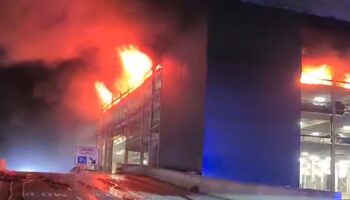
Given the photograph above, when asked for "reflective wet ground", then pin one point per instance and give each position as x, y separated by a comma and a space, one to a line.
37, 186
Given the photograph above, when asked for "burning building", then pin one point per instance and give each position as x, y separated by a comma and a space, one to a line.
325, 104
157, 118
261, 99
277, 98
130, 125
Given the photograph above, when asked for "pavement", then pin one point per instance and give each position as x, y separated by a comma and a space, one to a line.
89, 186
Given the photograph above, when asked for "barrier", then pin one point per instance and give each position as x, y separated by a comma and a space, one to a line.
232, 190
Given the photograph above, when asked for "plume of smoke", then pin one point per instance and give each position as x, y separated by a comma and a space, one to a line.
327, 43
89, 30
55, 32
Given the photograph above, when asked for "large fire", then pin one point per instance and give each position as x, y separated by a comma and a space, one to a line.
323, 75
346, 83
136, 65
316, 75
104, 94
137, 68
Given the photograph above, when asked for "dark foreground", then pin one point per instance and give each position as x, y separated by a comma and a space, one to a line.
36, 186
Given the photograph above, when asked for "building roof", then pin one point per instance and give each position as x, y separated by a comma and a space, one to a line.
325, 8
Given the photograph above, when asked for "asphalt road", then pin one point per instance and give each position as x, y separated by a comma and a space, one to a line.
38, 186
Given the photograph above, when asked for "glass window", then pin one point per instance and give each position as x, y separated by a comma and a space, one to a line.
118, 153
133, 144
133, 157
325, 114
157, 81
342, 147
315, 137
156, 116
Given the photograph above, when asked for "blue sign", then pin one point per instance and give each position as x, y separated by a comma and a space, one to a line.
82, 159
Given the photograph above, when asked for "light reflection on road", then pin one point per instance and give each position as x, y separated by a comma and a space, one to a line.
85, 186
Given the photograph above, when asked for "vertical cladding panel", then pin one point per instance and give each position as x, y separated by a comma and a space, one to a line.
182, 100
252, 94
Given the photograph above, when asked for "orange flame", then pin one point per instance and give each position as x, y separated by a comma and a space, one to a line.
137, 65
346, 83
104, 94
322, 75
316, 75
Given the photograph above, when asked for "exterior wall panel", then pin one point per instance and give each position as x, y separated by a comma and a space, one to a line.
182, 101
252, 109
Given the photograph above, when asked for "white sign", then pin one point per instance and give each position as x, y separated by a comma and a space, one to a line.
86, 155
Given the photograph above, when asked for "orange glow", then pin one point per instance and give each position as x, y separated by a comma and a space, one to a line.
316, 75
158, 67
346, 83
137, 66
103, 93
323, 75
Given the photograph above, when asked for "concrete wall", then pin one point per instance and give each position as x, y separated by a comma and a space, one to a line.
252, 109
233, 190
182, 98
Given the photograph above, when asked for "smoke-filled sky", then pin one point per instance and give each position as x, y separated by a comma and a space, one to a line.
327, 42
51, 52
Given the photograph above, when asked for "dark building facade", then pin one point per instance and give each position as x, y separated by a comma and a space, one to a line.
252, 94
245, 95
277, 98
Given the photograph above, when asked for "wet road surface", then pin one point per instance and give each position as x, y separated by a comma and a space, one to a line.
38, 186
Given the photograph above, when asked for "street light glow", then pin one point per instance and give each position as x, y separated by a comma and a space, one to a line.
315, 134
319, 100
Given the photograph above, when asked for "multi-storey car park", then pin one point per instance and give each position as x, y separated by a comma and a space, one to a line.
253, 95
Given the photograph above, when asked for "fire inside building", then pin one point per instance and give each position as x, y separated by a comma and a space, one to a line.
149, 123
131, 131
258, 95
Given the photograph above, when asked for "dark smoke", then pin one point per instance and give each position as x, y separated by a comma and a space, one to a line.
38, 129
326, 41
